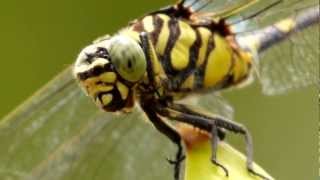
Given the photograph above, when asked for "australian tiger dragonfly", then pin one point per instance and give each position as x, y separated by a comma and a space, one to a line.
193, 48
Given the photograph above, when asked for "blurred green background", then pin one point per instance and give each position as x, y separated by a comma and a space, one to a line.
41, 38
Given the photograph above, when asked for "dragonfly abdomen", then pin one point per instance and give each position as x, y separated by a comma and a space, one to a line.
194, 57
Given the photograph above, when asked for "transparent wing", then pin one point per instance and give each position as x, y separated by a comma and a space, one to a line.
290, 65
212, 103
216, 104
59, 134
214, 6
294, 63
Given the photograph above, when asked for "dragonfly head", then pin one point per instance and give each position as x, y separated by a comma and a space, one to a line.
108, 70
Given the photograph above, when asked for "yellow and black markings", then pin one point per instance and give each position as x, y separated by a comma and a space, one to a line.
169, 54
194, 57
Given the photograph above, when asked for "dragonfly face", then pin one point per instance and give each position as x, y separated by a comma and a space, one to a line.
108, 70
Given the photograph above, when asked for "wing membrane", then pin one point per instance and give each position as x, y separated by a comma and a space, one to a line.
292, 64
210, 103
217, 6
60, 134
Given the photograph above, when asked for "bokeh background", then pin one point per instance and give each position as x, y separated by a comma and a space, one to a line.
40, 38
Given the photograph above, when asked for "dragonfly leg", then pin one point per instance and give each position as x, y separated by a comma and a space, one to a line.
214, 147
150, 56
170, 132
147, 106
184, 114
183, 108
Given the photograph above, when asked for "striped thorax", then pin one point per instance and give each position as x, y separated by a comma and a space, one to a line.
187, 59
194, 57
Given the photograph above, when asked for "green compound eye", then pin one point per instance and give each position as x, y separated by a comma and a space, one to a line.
128, 58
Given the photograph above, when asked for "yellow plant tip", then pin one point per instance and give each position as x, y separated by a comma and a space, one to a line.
198, 165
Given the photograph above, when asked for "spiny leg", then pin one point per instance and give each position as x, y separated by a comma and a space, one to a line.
229, 125
170, 132
207, 123
202, 124
223, 123
214, 145
185, 109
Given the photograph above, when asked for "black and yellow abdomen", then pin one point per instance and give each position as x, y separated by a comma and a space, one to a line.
193, 57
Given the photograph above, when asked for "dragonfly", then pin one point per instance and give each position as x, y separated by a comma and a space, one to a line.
69, 143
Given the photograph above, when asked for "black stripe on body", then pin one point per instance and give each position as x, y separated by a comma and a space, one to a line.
200, 72
228, 80
193, 57
174, 34
158, 24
